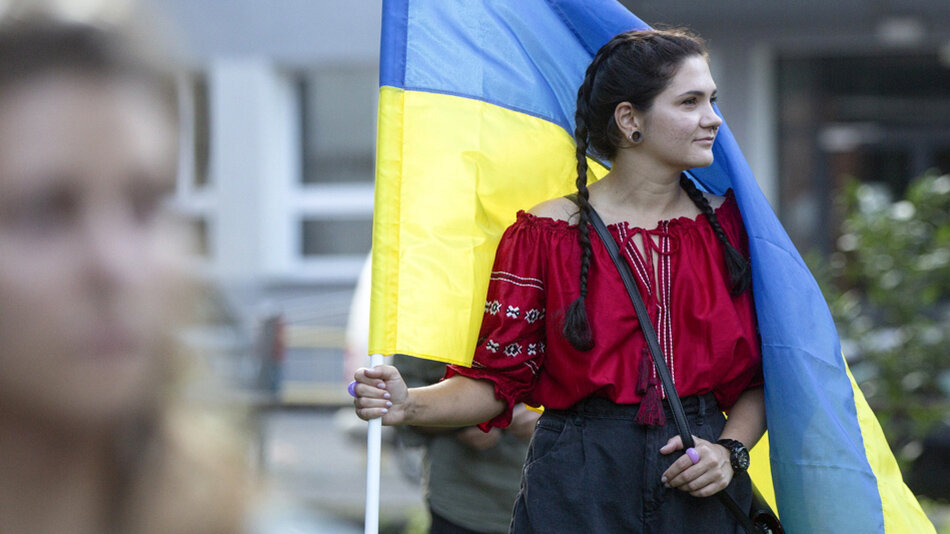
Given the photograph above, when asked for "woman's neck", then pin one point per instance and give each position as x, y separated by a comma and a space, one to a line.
53, 480
640, 194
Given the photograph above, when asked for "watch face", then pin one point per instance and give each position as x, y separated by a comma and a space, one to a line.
741, 459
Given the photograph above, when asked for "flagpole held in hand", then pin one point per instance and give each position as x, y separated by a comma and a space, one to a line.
373, 455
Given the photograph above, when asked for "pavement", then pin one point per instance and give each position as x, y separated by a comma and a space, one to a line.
315, 458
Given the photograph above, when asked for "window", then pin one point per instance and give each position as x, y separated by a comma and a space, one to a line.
338, 109
201, 130
193, 197
335, 236
877, 118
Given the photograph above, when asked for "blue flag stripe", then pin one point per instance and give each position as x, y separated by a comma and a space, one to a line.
524, 56
392, 43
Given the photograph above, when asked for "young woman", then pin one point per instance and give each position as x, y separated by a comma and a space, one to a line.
559, 330
93, 435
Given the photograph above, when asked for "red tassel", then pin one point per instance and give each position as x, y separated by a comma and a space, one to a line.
651, 409
645, 377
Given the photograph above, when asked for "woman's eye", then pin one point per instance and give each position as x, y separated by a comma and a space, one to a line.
714, 99
690, 101
45, 212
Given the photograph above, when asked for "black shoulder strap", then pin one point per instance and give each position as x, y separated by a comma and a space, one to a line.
679, 414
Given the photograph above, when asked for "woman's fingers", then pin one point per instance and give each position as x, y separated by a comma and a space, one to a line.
379, 374
706, 484
372, 391
674, 444
711, 474
676, 472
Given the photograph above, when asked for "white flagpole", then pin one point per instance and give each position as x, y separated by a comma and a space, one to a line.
374, 441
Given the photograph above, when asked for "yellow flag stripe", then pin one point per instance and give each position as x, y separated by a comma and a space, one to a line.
438, 220
902, 512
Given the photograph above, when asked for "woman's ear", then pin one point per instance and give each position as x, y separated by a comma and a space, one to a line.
627, 119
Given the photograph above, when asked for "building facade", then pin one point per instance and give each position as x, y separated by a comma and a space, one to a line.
279, 109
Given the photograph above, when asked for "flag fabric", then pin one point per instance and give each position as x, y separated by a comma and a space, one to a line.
476, 115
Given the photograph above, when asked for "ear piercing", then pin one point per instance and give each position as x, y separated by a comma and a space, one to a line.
636, 137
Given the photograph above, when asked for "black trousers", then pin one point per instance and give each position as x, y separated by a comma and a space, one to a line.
592, 469
442, 525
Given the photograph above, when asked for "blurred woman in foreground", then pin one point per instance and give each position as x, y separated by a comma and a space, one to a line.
93, 435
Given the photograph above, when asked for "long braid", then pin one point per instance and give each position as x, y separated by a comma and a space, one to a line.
740, 274
576, 325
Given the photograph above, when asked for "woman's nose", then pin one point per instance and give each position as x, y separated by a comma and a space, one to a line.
711, 119
113, 250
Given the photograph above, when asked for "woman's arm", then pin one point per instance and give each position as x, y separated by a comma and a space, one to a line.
456, 401
746, 421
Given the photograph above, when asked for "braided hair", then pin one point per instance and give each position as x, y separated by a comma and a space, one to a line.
634, 67
738, 268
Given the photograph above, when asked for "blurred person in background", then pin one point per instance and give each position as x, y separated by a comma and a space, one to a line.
471, 477
94, 434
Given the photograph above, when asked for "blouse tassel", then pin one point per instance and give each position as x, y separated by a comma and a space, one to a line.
651, 405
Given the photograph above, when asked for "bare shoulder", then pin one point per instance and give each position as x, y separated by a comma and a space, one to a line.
559, 208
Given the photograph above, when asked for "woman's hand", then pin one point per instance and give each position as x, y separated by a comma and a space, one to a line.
380, 392
710, 475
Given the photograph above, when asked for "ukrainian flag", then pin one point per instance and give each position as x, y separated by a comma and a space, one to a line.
476, 114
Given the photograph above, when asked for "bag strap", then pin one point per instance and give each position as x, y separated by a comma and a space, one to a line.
679, 414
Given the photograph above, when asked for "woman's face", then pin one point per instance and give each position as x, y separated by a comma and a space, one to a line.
680, 127
86, 251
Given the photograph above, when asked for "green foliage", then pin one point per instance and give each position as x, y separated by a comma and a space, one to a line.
887, 285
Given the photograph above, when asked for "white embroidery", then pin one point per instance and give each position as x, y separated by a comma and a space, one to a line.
493, 307
491, 346
532, 365
514, 279
513, 350
533, 315
513, 312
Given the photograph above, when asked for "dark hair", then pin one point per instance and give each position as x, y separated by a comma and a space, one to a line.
634, 67
39, 44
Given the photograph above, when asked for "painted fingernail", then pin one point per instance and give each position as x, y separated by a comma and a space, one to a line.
663, 480
386, 395
381, 385
385, 410
388, 404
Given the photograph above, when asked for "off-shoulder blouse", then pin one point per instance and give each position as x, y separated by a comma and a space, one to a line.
708, 336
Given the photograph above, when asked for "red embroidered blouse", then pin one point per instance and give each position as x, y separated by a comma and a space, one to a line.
709, 337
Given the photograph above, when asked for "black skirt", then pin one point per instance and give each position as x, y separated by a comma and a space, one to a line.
592, 469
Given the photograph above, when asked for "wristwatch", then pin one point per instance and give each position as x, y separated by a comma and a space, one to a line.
738, 454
